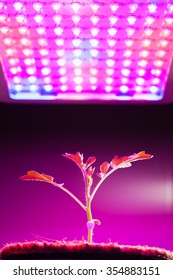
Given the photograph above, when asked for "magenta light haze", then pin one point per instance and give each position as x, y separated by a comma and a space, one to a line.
86, 50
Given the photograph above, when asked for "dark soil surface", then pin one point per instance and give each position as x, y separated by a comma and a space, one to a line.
37, 250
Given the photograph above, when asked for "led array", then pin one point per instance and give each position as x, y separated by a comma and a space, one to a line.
86, 49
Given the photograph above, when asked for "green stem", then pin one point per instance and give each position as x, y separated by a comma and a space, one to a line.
69, 193
89, 200
88, 209
89, 216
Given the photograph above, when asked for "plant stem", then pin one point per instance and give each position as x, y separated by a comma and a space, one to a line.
100, 182
89, 216
89, 199
69, 193
88, 209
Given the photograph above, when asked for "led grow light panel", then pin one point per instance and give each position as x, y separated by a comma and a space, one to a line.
86, 50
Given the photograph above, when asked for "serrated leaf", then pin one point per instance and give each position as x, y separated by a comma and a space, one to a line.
139, 156
33, 175
77, 158
117, 162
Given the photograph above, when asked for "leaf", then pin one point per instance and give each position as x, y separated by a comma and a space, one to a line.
89, 174
104, 167
90, 161
117, 161
97, 222
139, 156
77, 158
126, 160
90, 171
33, 175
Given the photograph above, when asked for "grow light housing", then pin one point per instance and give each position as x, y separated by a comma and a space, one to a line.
86, 50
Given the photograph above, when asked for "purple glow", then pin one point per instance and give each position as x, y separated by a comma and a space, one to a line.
83, 50
39, 211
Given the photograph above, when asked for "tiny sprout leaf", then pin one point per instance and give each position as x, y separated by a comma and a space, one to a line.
33, 175
90, 171
90, 161
89, 181
104, 167
96, 221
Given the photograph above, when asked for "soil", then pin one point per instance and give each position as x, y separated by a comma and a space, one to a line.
44, 250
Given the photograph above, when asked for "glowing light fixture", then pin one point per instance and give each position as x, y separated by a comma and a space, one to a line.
86, 50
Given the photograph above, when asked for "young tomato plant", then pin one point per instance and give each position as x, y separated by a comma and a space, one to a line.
87, 169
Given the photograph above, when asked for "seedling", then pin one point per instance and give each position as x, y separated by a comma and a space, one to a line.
87, 169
